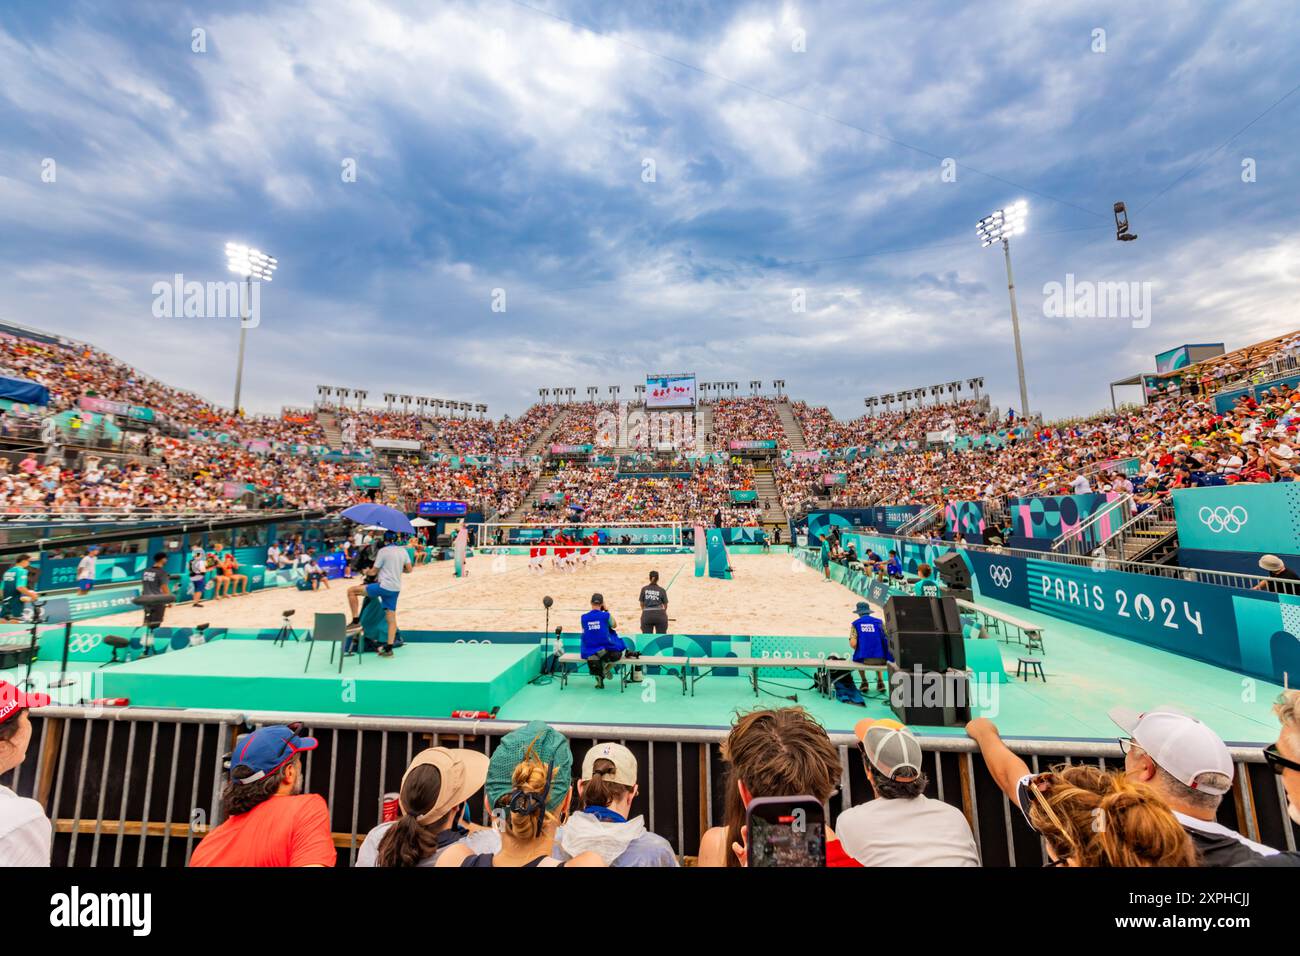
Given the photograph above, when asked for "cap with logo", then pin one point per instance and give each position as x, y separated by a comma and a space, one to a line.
463, 773
12, 700
624, 771
890, 747
1179, 744
267, 749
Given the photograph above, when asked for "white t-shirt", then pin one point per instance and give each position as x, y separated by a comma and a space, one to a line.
25, 831
915, 832
86, 568
390, 561
1081, 485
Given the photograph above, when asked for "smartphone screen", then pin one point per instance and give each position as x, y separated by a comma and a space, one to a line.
786, 831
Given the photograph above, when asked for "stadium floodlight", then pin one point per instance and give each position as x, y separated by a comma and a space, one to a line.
755, 386
593, 391
613, 392
779, 385
542, 393
1000, 226
251, 264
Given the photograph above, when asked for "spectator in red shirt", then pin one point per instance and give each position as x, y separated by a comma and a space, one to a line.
268, 820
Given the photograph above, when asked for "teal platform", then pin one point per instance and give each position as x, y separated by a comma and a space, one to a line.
430, 680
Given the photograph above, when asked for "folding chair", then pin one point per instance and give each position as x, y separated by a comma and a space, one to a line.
332, 628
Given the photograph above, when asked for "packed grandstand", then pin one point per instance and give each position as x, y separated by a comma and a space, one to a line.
190, 455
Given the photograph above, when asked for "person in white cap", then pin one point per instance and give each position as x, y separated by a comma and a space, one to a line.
1187, 764
1278, 572
604, 825
901, 826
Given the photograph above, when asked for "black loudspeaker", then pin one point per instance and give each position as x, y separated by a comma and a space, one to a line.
925, 615
952, 570
921, 698
928, 651
925, 633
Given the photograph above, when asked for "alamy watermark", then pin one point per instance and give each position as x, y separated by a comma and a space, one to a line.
1075, 299
656, 430
179, 299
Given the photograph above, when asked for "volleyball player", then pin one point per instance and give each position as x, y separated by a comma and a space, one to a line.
654, 607
535, 556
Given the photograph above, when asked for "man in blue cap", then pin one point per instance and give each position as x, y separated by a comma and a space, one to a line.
269, 821
870, 644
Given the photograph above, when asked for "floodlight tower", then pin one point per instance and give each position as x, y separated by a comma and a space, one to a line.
1000, 226
251, 264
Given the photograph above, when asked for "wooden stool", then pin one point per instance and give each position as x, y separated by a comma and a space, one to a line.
1030, 665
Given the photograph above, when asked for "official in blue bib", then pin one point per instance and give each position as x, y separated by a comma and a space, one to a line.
870, 644
601, 645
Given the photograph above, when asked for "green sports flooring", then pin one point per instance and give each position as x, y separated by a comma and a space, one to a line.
1087, 674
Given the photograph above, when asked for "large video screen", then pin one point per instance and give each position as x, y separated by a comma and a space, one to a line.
676, 390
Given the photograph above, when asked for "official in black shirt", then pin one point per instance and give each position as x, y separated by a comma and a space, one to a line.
153, 583
654, 607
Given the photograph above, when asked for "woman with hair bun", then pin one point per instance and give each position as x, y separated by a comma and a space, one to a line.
528, 788
1092, 817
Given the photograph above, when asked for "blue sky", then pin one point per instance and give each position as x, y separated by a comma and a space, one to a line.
502, 145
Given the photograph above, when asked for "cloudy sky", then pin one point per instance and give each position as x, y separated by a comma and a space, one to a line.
651, 187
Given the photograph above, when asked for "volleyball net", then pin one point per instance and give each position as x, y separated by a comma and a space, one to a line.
610, 536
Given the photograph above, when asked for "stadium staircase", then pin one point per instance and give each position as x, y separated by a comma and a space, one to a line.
704, 425
329, 424
1150, 537
794, 436
392, 491
538, 488
436, 441
770, 496
538, 444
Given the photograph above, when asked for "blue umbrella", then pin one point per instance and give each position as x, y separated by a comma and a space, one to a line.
388, 518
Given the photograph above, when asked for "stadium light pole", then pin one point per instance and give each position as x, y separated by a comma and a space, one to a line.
1000, 226
251, 264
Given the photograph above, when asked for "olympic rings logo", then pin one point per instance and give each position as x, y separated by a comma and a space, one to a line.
1001, 575
83, 643
1222, 519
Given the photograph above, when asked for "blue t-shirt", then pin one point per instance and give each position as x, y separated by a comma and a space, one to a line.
596, 635
893, 567
872, 642
926, 587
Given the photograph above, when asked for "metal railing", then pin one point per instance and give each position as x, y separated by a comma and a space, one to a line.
140, 787
1229, 579
919, 520
1141, 524
1085, 538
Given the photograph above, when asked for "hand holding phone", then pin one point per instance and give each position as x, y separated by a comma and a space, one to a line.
783, 831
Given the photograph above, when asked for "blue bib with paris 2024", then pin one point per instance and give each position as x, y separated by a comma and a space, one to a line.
595, 633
